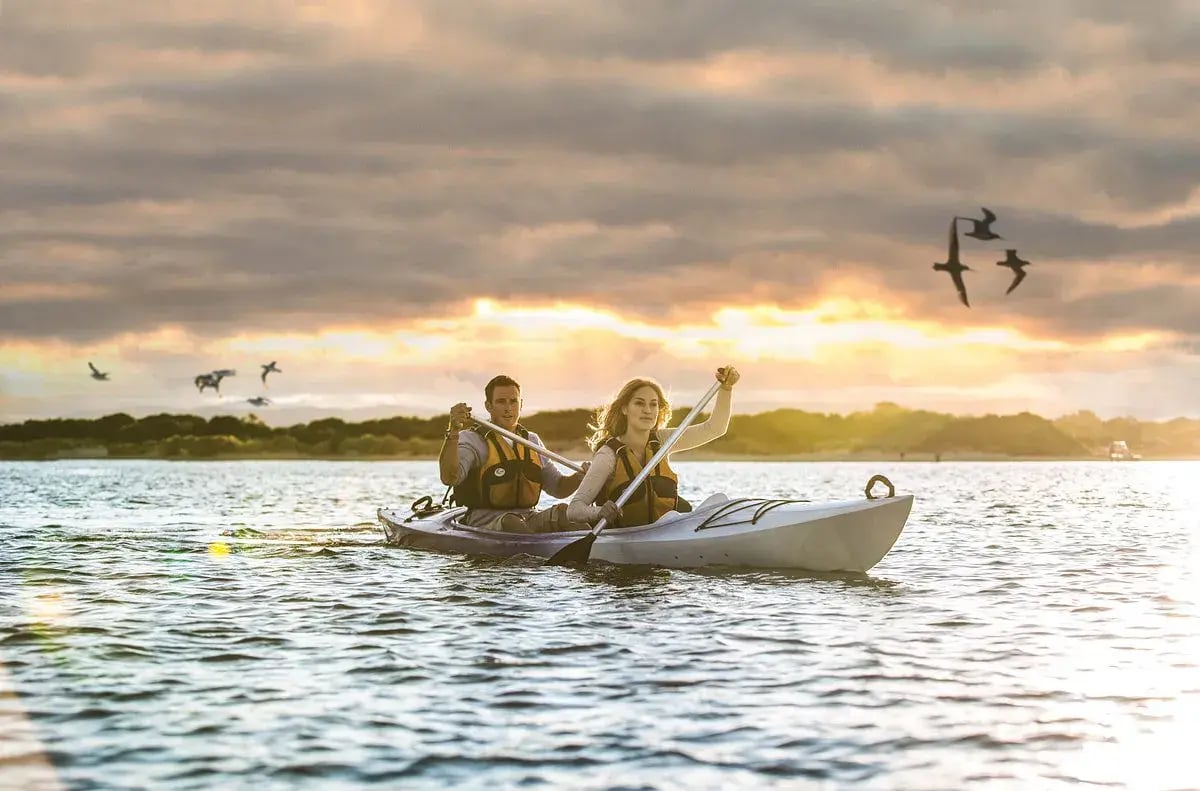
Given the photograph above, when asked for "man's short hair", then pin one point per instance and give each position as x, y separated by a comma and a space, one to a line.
499, 381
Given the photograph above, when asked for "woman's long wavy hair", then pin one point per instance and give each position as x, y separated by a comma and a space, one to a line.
611, 422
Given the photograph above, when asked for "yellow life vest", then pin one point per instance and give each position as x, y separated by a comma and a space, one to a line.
655, 496
508, 477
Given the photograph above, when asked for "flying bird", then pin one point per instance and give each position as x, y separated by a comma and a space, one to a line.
97, 374
953, 265
268, 369
982, 229
259, 401
1017, 265
212, 380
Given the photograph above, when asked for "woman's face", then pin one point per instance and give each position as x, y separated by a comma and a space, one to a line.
642, 409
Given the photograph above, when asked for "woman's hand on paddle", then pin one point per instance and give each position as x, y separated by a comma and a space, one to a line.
728, 376
460, 417
610, 512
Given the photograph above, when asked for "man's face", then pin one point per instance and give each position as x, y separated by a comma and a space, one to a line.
505, 406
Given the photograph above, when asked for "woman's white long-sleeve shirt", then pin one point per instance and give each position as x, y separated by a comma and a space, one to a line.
604, 462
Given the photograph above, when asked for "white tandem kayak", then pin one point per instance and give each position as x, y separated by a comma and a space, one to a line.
844, 535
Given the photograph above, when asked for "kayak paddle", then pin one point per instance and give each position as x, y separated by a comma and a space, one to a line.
543, 452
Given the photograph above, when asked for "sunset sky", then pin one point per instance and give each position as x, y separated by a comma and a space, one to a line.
398, 200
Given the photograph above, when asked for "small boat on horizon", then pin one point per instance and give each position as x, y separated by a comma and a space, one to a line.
1118, 450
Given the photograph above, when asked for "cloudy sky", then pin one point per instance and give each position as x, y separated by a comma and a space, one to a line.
397, 200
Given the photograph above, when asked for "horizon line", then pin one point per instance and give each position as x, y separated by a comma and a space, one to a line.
256, 414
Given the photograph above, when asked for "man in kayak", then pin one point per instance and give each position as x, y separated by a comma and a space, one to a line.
501, 481
629, 431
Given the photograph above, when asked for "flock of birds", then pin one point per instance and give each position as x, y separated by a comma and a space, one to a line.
981, 230
212, 380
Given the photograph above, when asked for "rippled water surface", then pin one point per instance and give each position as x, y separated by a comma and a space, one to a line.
242, 625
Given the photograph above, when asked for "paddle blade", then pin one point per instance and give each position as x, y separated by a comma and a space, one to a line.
574, 554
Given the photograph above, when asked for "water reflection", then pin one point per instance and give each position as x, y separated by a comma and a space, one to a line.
630, 579
838, 579
1038, 641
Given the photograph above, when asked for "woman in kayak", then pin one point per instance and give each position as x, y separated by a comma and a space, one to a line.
628, 432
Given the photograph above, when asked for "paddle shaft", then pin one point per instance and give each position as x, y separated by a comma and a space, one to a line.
549, 454
644, 473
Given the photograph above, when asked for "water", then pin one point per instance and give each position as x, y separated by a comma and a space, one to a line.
241, 625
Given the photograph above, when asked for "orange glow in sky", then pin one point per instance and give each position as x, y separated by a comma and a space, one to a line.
850, 342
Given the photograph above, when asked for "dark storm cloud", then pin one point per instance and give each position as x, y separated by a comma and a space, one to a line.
324, 188
73, 39
407, 103
908, 35
1164, 307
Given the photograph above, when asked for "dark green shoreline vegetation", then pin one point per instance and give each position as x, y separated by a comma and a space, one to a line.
887, 431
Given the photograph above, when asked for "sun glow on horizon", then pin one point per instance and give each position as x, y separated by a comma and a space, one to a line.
760, 332
771, 332
857, 348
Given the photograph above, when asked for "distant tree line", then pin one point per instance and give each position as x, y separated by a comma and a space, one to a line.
887, 429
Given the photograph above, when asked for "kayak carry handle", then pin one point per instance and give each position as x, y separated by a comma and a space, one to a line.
879, 479
425, 506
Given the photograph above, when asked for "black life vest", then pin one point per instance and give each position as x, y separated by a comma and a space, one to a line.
655, 496
508, 477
